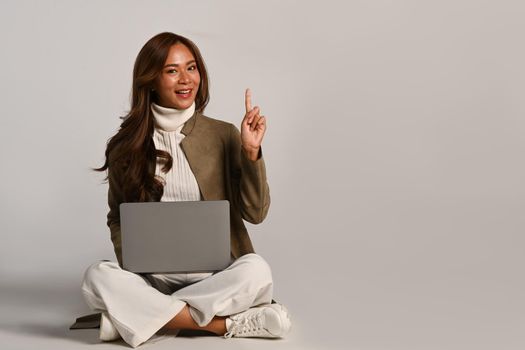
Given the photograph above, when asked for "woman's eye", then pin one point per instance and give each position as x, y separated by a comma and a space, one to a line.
192, 68
172, 71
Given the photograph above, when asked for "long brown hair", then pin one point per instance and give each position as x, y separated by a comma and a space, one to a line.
131, 153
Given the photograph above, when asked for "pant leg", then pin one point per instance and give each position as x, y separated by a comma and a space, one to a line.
135, 308
168, 283
245, 283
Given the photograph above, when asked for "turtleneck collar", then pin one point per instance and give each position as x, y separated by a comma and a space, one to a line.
170, 119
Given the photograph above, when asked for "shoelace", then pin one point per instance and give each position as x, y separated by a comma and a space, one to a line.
251, 324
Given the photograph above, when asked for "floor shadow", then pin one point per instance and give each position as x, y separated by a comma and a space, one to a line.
43, 309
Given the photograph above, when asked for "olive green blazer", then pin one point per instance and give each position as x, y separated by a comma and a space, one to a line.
223, 172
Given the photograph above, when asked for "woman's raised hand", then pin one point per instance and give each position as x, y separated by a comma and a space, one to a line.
253, 127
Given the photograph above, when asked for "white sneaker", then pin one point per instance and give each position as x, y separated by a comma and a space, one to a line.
268, 321
108, 332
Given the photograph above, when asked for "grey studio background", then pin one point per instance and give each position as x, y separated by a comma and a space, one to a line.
394, 153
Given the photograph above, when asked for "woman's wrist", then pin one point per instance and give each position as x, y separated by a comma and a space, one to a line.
252, 153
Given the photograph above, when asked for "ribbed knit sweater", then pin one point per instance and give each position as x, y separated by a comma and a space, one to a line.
180, 182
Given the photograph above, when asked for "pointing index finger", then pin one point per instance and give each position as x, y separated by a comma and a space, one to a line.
248, 100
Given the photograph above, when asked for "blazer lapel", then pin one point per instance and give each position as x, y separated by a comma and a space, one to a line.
198, 147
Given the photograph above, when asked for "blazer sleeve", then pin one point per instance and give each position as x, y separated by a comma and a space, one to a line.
250, 185
113, 217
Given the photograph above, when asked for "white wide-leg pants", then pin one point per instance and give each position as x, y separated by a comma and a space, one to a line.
139, 305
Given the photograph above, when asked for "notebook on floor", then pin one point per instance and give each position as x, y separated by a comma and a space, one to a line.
174, 237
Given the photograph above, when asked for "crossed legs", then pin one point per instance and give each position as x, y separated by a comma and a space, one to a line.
138, 310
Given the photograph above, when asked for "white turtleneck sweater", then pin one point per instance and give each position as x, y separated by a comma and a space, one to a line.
180, 183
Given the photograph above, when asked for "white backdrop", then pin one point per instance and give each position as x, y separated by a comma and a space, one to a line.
394, 154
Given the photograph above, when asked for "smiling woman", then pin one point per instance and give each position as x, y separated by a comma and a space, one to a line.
179, 82
167, 150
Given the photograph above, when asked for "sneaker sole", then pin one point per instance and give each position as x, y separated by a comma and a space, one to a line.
284, 318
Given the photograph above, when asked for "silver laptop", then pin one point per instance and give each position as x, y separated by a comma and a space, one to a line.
171, 237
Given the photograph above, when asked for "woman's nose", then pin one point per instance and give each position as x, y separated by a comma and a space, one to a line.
184, 78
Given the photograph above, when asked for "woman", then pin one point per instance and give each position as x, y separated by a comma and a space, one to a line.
167, 150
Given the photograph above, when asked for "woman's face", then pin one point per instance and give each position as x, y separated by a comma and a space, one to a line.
178, 83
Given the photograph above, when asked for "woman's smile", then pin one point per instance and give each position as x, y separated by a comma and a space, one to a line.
184, 93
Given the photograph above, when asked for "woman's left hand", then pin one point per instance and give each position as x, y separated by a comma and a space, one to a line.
253, 127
